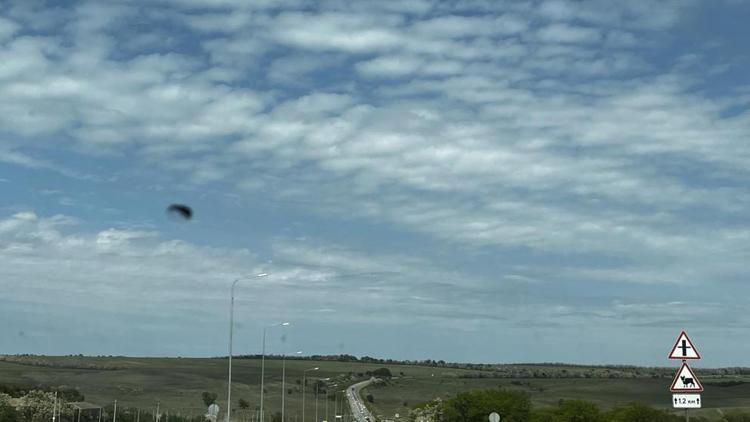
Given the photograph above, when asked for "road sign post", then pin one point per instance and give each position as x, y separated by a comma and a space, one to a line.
685, 380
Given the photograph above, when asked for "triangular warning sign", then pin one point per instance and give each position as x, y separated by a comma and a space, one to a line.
685, 381
683, 348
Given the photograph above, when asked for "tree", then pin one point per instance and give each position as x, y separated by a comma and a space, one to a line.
382, 372
208, 398
636, 412
8, 413
512, 406
37, 405
569, 411
370, 398
244, 404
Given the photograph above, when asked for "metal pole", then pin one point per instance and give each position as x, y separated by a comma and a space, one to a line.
54, 407
326, 399
100, 414
316, 402
156, 415
304, 380
687, 416
231, 329
283, 385
114, 416
138, 417
79, 414
262, 372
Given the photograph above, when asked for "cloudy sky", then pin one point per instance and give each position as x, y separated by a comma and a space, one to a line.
483, 181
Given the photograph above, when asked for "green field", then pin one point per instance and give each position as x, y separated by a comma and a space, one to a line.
607, 393
177, 383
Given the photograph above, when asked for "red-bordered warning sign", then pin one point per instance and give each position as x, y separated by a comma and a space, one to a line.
685, 381
683, 348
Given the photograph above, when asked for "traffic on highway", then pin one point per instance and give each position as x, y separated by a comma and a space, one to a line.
359, 410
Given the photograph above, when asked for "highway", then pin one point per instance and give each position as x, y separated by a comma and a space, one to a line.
359, 410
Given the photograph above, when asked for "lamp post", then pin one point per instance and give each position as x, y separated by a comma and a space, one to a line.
283, 382
334, 398
231, 330
304, 381
336, 414
263, 363
316, 396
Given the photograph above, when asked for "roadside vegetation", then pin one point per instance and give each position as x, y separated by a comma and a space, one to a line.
177, 385
516, 406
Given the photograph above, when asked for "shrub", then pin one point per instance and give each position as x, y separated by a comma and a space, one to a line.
512, 406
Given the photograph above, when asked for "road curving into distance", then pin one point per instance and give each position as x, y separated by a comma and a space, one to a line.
358, 408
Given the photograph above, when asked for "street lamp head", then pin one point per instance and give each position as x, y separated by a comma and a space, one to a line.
261, 275
298, 352
286, 324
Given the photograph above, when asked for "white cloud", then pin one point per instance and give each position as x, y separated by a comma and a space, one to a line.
335, 31
564, 33
389, 66
110, 270
481, 136
464, 26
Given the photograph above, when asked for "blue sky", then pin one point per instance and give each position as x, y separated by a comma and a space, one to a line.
468, 181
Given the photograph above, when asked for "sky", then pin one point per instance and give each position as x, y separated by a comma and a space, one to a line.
473, 181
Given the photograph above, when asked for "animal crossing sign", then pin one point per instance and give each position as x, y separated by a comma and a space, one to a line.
685, 381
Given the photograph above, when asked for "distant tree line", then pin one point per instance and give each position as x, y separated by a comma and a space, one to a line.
79, 362
521, 370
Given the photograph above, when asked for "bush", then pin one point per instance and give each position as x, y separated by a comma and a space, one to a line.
636, 412
208, 398
736, 417
7, 411
569, 411
512, 406
382, 372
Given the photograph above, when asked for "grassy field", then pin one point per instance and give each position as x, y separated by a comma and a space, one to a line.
177, 383
400, 394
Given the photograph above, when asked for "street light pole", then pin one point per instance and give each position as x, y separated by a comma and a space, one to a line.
316, 396
231, 330
304, 383
263, 364
283, 382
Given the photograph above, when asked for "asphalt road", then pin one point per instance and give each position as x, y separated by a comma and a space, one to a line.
359, 410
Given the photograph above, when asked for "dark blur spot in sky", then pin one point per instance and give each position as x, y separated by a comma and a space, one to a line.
180, 212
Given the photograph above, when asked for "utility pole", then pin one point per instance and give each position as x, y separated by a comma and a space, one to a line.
54, 407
